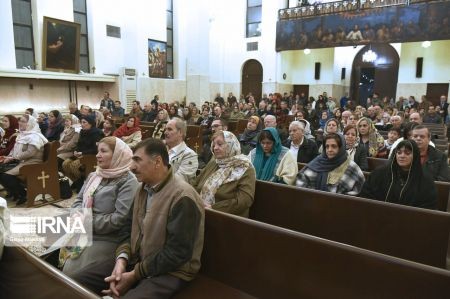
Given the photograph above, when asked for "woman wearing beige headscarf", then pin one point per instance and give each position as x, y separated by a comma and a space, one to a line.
227, 183
109, 192
69, 138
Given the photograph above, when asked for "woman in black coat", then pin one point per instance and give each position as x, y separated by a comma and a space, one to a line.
86, 145
402, 181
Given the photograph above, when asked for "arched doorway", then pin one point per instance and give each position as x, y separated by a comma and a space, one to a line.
379, 75
252, 76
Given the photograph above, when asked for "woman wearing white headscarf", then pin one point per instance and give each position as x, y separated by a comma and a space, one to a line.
28, 149
227, 183
109, 192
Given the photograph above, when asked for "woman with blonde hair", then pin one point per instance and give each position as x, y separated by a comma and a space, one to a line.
369, 138
161, 122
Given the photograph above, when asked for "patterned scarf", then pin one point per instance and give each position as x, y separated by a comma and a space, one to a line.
231, 168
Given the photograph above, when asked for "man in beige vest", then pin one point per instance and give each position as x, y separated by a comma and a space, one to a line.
163, 253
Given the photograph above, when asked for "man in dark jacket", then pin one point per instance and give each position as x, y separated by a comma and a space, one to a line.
303, 149
434, 162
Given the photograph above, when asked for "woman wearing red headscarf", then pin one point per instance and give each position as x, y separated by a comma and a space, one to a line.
129, 132
11, 128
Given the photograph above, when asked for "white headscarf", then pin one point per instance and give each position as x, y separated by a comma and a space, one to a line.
32, 134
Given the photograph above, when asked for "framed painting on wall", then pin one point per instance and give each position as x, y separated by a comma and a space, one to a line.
61, 46
157, 63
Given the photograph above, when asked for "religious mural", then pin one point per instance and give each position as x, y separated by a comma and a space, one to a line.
157, 66
410, 23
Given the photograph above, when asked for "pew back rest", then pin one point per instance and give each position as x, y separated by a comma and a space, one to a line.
375, 163
443, 191
414, 234
89, 163
270, 262
23, 275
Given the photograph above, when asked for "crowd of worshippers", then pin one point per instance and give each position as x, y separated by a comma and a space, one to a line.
148, 196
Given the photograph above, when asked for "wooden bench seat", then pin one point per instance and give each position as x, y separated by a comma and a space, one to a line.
42, 178
414, 234
265, 261
25, 276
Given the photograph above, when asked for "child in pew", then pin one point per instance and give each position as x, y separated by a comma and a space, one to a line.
393, 135
333, 170
402, 181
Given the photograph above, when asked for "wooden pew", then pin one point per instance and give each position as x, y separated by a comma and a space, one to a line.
247, 259
375, 163
23, 275
232, 125
147, 131
194, 138
414, 234
89, 163
42, 178
241, 126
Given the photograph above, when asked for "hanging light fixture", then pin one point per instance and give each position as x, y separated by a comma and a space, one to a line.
369, 55
307, 51
426, 44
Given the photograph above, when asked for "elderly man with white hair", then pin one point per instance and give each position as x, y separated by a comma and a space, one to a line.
184, 161
344, 118
270, 121
302, 149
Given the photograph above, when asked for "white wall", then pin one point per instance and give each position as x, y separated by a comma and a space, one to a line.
7, 51
62, 9
436, 62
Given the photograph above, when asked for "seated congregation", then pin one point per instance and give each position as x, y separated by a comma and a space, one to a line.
148, 195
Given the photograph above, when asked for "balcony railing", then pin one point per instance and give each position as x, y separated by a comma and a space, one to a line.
339, 7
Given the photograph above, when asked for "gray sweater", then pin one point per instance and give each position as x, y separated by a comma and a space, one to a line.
113, 206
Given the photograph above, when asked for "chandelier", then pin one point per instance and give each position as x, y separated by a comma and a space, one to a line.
369, 55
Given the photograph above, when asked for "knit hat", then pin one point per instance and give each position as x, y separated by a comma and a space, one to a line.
90, 119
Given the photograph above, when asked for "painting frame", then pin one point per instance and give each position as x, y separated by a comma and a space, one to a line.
157, 58
61, 46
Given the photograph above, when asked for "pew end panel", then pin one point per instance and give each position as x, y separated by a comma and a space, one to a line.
42, 178
410, 233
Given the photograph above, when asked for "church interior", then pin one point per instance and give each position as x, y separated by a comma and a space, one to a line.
225, 149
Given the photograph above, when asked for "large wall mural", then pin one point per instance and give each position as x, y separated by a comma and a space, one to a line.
415, 22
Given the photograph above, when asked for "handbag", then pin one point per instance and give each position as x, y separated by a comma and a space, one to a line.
65, 191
